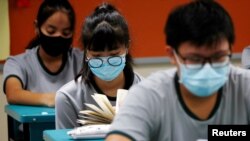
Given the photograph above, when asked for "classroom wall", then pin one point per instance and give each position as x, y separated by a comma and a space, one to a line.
3, 116
4, 30
146, 19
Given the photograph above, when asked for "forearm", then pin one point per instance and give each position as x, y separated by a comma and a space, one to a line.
17, 95
116, 137
30, 98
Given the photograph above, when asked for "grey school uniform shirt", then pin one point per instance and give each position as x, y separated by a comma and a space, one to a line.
34, 76
154, 110
71, 97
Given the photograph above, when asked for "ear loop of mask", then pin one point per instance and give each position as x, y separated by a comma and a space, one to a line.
177, 59
179, 63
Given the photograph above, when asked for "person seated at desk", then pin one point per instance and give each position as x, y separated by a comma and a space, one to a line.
107, 65
50, 61
245, 58
204, 88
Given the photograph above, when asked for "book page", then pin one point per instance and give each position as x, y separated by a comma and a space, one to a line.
89, 122
121, 94
94, 117
98, 110
104, 103
103, 114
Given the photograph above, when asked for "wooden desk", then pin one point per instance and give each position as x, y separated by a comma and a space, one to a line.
61, 135
34, 119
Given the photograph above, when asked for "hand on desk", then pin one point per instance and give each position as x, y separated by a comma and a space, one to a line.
48, 99
17, 95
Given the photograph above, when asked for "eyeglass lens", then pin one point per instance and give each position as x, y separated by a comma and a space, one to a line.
98, 62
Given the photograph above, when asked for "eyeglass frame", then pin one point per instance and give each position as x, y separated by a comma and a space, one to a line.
107, 60
204, 61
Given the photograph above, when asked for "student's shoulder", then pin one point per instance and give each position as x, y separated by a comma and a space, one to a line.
71, 87
163, 74
158, 85
76, 52
160, 77
239, 80
239, 77
28, 55
138, 77
237, 72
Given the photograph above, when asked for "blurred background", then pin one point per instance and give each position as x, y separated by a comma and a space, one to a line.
146, 19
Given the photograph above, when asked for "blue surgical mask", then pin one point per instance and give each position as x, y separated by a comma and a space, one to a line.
108, 72
205, 81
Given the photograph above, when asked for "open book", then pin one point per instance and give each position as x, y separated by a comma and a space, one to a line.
103, 114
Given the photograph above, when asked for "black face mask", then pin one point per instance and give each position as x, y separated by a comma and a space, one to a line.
55, 46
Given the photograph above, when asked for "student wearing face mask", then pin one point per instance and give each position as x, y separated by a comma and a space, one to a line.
245, 58
50, 61
107, 65
204, 88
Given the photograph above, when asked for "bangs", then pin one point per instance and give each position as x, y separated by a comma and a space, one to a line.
106, 38
211, 41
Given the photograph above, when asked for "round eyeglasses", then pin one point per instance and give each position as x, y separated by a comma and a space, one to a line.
97, 62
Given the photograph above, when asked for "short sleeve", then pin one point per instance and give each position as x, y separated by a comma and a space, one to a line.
66, 116
245, 58
14, 67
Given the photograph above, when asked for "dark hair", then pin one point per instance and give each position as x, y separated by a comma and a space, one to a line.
103, 30
201, 22
48, 8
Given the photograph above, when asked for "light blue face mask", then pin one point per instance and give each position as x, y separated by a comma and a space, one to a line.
205, 81
108, 72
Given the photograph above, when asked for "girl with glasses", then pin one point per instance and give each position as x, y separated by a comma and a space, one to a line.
107, 65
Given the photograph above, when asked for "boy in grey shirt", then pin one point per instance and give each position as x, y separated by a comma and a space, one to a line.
204, 89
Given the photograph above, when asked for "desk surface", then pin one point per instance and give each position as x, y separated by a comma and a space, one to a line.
27, 114
61, 135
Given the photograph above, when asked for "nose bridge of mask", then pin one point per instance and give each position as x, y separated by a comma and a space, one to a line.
58, 38
58, 34
61, 34
207, 71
